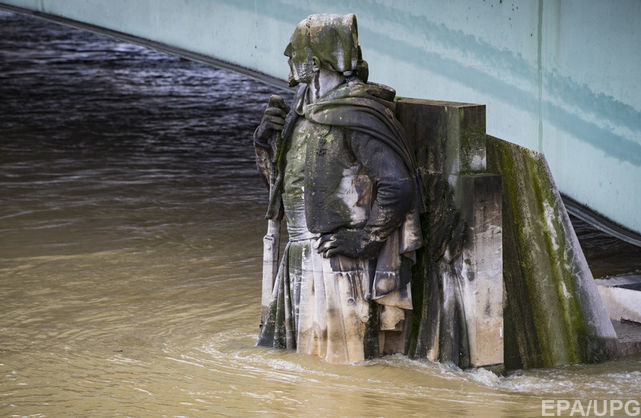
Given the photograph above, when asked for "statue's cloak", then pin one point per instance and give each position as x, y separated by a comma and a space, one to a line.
367, 108
364, 107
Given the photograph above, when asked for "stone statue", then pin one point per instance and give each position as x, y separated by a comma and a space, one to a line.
342, 176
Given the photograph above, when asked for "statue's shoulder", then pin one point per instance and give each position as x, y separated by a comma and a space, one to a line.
358, 89
380, 91
355, 104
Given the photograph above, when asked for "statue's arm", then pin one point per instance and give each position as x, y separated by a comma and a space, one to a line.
394, 191
393, 184
266, 134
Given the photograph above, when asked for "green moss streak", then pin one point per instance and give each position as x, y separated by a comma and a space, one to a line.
547, 284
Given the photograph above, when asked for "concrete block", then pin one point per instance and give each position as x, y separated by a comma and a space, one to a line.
482, 284
622, 297
448, 137
465, 139
457, 282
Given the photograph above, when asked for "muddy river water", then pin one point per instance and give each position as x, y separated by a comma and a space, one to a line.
130, 255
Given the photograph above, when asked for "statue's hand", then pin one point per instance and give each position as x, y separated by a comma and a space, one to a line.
355, 243
273, 121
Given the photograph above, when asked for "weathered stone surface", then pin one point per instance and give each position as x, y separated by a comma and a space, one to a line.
482, 287
448, 137
450, 297
622, 297
553, 312
465, 140
271, 242
628, 341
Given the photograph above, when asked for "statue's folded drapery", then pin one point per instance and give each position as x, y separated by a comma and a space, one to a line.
338, 176
317, 310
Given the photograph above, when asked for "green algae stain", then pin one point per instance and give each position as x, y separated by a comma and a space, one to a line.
546, 286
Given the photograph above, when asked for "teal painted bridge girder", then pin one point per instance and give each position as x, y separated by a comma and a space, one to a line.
560, 77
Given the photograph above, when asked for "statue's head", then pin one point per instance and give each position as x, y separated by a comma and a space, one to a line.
326, 41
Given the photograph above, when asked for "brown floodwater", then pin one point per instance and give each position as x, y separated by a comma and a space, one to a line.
130, 255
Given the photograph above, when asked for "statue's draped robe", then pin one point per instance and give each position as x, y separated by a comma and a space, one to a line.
344, 163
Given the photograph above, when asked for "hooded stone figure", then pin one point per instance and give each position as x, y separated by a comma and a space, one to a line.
343, 178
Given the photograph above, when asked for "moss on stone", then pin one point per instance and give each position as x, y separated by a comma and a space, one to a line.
549, 315
545, 285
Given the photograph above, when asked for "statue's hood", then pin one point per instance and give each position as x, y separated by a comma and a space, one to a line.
330, 37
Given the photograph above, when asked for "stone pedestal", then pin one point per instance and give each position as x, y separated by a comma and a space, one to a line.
485, 233
482, 286
458, 279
